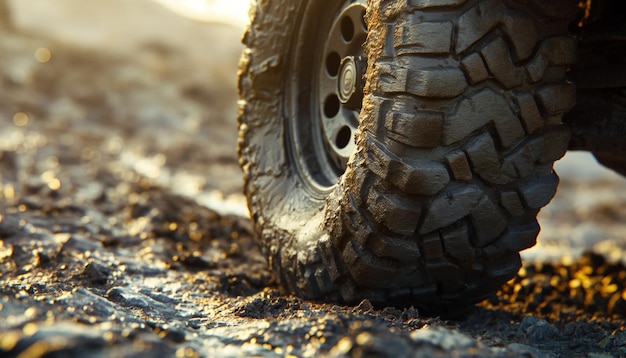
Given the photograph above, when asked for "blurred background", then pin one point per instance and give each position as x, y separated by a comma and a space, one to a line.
148, 87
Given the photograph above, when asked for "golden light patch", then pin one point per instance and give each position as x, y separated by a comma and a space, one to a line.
20, 119
43, 55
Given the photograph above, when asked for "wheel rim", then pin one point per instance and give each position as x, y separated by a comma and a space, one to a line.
327, 92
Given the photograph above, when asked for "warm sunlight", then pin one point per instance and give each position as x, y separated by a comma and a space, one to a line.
211, 10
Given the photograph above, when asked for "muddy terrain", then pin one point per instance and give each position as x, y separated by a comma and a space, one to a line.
123, 231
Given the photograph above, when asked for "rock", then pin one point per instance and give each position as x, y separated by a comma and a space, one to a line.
444, 338
536, 330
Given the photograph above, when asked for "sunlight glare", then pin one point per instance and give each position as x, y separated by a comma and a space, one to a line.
228, 11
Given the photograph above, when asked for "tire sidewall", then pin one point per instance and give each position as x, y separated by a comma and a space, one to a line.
287, 211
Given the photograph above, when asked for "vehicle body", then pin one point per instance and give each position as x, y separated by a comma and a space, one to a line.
598, 122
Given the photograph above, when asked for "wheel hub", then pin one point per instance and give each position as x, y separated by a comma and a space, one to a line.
350, 82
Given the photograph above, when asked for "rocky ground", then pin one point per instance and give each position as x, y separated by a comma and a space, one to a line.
122, 229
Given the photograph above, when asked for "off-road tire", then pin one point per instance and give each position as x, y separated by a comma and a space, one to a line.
459, 129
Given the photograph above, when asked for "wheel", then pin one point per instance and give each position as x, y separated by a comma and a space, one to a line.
409, 173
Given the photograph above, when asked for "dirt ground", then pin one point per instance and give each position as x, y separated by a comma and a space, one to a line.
123, 231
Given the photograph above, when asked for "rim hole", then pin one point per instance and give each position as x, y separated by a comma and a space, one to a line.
347, 29
343, 137
333, 62
331, 106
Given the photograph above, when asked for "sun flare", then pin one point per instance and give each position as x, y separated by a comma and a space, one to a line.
211, 10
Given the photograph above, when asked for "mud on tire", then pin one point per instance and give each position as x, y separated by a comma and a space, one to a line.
457, 135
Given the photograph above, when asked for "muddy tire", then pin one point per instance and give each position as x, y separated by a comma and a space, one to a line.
452, 160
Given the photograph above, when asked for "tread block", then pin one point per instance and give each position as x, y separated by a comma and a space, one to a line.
536, 68
475, 112
410, 276
486, 16
529, 112
386, 35
433, 82
521, 33
468, 118
487, 221
421, 130
457, 161
405, 251
393, 212
347, 291
307, 284
415, 36
448, 276
436, 82
477, 22
519, 164
450, 206
518, 238
484, 158
492, 252
538, 192
542, 150
504, 267
432, 247
539, 150
474, 68
557, 99
553, 51
457, 244
367, 269
560, 50
374, 108
323, 280
392, 78
328, 258
420, 177
285, 278
510, 130
512, 203
550, 146
501, 66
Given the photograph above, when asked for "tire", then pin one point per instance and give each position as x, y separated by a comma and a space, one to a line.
459, 128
